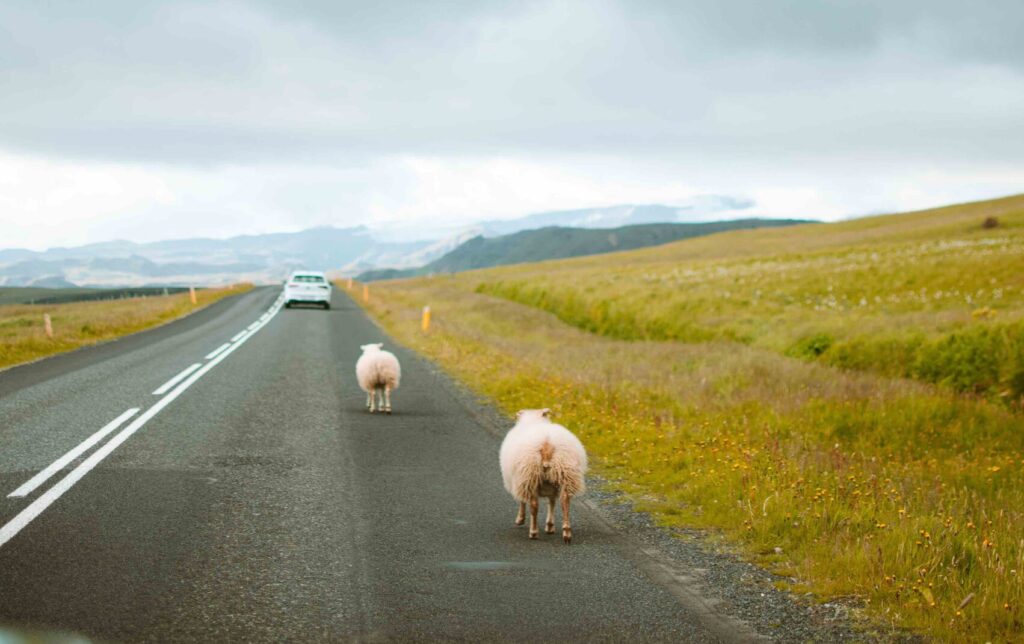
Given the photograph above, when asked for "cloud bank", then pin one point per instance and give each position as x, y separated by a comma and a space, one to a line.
148, 120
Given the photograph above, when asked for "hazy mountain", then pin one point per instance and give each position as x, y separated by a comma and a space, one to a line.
258, 258
558, 242
706, 207
340, 251
692, 210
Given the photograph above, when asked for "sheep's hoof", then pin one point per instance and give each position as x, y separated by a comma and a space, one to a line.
549, 529
534, 535
388, 412
567, 535
520, 521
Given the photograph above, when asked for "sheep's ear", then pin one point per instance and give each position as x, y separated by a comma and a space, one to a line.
380, 345
546, 413
519, 414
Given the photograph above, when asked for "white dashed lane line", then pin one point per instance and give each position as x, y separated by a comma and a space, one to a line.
37, 507
61, 462
164, 388
216, 352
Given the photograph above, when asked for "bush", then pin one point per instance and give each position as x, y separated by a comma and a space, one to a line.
968, 361
811, 346
891, 356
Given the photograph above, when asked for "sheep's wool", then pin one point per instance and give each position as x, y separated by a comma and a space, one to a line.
377, 368
522, 463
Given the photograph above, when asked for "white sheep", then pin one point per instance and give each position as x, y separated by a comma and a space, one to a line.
378, 372
541, 458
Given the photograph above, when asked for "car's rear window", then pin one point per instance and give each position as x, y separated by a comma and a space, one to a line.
308, 278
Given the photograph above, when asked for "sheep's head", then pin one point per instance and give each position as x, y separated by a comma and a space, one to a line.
377, 346
533, 414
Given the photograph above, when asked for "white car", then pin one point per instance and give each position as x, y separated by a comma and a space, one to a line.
307, 287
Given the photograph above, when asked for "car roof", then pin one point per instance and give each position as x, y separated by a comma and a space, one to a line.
316, 273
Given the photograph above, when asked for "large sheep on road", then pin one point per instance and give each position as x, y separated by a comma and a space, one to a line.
378, 372
541, 458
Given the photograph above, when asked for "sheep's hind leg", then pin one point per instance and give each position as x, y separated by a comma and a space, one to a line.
521, 516
549, 525
566, 528
533, 517
387, 399
369, 400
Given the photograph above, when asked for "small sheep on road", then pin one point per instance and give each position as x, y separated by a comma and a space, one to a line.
541, 458
378, 372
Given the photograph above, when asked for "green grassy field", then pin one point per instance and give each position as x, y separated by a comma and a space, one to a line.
846, 393
22, 336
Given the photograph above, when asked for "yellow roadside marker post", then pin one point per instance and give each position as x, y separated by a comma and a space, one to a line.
349, 284
366, 292
47, 325
192, 294
426, 318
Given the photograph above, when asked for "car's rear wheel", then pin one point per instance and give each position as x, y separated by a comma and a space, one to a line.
327, 306
287, 305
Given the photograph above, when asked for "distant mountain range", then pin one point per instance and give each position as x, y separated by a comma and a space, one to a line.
257, 258
342, 251
557, 242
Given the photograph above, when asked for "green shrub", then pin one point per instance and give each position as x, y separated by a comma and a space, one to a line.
811, 346
891, 356
967, 362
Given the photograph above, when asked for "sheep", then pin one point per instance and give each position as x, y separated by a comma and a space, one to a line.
541, 458
378, 372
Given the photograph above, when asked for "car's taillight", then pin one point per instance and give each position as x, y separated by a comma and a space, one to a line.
324, 287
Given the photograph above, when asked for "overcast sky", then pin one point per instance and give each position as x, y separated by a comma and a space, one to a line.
143, 120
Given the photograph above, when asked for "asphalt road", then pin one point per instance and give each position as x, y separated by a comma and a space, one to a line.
259, 501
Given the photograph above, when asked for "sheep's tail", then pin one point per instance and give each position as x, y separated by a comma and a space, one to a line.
554, 467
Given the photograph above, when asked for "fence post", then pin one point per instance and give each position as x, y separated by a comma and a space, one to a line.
48, 325
426, 318
192, 294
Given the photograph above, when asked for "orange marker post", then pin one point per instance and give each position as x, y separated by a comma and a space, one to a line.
366, 292
349, 284
47, 325
192, 294
426, 318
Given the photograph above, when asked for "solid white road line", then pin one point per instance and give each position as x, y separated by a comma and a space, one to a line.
56, 466
34, 509
252, 326
238, 335
176, 379
213, 354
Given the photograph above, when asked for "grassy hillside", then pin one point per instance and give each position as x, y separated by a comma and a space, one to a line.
557, 242
752, 383
933, 295
29, 294
22, 337
62, 295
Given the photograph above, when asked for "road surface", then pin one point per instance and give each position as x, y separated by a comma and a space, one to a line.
254, 499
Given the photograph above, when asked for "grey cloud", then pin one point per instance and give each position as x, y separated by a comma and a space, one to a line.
237, 82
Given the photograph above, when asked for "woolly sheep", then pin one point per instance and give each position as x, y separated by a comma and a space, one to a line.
378, 372
541, 458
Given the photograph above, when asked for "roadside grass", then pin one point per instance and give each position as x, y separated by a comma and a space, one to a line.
23, 339
944, 308
902, 496
885, 482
